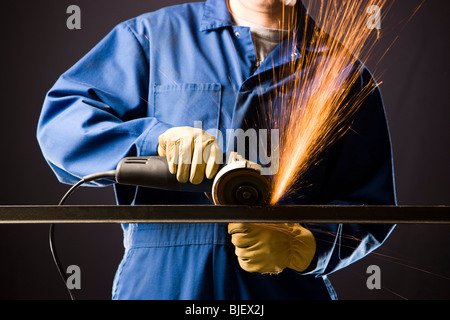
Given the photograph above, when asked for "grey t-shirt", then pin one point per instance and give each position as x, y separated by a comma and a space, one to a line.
265, 39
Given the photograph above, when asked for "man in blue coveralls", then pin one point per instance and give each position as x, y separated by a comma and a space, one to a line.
139, 92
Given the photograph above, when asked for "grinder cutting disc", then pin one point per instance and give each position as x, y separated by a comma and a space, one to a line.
241, 183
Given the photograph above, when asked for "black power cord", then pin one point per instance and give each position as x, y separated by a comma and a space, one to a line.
86, 179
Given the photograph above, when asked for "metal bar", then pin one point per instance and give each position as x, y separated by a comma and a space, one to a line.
224, 214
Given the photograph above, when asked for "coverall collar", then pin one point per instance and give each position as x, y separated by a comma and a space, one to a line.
216, 16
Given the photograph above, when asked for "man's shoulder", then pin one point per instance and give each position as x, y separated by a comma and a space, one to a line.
184, 12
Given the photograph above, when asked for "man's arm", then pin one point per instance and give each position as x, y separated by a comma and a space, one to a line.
359, 171
96, 112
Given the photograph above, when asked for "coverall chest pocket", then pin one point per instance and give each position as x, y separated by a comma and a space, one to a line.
184, 104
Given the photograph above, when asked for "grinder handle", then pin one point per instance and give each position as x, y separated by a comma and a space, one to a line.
153, 172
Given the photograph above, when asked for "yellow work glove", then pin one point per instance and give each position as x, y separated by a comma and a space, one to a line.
269, 248
191, 153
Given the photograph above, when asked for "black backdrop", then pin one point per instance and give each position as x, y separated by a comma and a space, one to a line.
37, 47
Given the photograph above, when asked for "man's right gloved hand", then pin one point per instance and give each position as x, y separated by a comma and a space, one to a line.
191, 153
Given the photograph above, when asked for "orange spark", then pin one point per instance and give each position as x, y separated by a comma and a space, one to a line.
320, 107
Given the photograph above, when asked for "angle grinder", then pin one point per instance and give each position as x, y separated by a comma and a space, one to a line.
239, 182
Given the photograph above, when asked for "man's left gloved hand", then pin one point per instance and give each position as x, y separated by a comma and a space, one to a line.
270, 248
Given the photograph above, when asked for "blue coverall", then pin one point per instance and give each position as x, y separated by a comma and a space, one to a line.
188, 63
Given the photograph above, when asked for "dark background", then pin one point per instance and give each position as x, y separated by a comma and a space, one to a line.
37, 47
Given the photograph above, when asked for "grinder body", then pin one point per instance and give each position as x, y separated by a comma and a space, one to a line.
153, 172
239, 182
